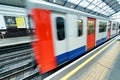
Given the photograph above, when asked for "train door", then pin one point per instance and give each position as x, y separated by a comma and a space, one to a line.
91, 23
109, 29
43, 46
59, 36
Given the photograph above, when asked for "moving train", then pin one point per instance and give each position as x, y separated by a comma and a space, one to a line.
63, 34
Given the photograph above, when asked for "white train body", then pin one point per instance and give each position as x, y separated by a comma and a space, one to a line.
80, 32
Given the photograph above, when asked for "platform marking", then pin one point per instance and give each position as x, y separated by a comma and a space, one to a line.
101, 69
84, 63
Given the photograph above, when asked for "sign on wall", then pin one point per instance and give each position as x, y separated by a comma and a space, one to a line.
20, 22
10, 22
14, 22
2, 23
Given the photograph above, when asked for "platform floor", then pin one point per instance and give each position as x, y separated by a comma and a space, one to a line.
14, 41
100, 64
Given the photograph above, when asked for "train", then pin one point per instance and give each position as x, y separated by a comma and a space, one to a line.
62, 34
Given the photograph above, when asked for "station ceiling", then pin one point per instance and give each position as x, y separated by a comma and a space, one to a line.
17, 3
104, 8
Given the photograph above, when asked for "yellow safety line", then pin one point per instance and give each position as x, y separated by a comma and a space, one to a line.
84, 63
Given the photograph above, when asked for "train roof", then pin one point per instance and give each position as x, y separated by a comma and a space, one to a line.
49, 6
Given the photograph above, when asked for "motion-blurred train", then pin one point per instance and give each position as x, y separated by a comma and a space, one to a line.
63, 34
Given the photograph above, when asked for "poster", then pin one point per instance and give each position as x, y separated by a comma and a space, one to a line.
10, 22
2, 23
20, 22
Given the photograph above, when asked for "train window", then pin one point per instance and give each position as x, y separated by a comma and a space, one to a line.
114, 26
102, 26
80, 27
109, 24
60, 28
119, 26
91, 27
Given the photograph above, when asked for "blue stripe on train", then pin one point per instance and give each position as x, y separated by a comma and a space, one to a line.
98, 42
70, 55
62, 58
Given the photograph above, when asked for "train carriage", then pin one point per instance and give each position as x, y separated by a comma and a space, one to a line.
63, 34
102, 30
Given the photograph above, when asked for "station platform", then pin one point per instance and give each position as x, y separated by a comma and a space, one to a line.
15, 41
99, 64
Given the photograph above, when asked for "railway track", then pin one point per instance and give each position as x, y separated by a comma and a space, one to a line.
16, 62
